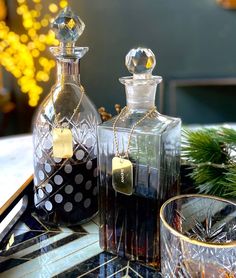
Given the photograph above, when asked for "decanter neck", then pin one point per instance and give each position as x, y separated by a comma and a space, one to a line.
140, 93
68, 60
140, 97
68, 70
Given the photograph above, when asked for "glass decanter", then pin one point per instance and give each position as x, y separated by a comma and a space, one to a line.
139, 163
64, 136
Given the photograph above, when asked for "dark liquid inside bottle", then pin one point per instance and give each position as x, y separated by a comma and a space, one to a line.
69, 195
129, 224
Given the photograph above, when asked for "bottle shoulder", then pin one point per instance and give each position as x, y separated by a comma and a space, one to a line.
66, 101
156, 124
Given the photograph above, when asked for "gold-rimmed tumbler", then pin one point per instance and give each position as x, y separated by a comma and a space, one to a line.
198, 237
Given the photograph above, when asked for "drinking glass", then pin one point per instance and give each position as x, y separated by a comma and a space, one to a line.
198, 237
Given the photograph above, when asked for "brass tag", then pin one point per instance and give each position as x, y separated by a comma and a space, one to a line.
62, 143
122, 175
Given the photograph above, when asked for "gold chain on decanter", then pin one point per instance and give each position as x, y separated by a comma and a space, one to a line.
62, 135
75, 110
131, 131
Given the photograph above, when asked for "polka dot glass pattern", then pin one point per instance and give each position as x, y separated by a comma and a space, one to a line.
62, 195
68, 195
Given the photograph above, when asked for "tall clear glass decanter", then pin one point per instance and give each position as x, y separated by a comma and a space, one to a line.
64, 136
139, 164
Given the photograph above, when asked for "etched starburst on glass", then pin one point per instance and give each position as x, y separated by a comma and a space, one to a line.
198, 237
206, 225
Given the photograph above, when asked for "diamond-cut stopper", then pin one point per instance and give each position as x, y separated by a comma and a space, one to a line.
140, 61
67, 26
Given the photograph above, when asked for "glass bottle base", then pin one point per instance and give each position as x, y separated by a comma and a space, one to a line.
130, 226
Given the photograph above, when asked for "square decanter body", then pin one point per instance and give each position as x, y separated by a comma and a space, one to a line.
129, 224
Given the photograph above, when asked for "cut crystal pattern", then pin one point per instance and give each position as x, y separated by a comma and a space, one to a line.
204, 221
55, 178
140, 60
65, 173
129, 224
43, 153
67, 26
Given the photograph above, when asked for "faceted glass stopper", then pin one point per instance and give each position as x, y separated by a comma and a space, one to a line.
67, 26
140, 61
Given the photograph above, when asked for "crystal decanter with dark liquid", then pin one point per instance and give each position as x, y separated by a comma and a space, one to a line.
64, 135
139, 162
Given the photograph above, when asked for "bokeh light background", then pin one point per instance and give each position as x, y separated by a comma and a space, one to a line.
23, 55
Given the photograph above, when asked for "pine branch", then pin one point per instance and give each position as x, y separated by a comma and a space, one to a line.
230, 182
204, 146
229, 135
210, 180
211, 155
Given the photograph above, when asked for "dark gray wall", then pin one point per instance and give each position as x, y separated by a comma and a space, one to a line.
191, 39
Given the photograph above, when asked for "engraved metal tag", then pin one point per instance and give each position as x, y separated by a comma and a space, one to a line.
122, 175
62, 143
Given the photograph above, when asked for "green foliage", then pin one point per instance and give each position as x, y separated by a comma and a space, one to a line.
204, 146
230, 182
211, 155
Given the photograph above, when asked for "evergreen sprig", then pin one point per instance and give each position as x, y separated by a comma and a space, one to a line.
211, 155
